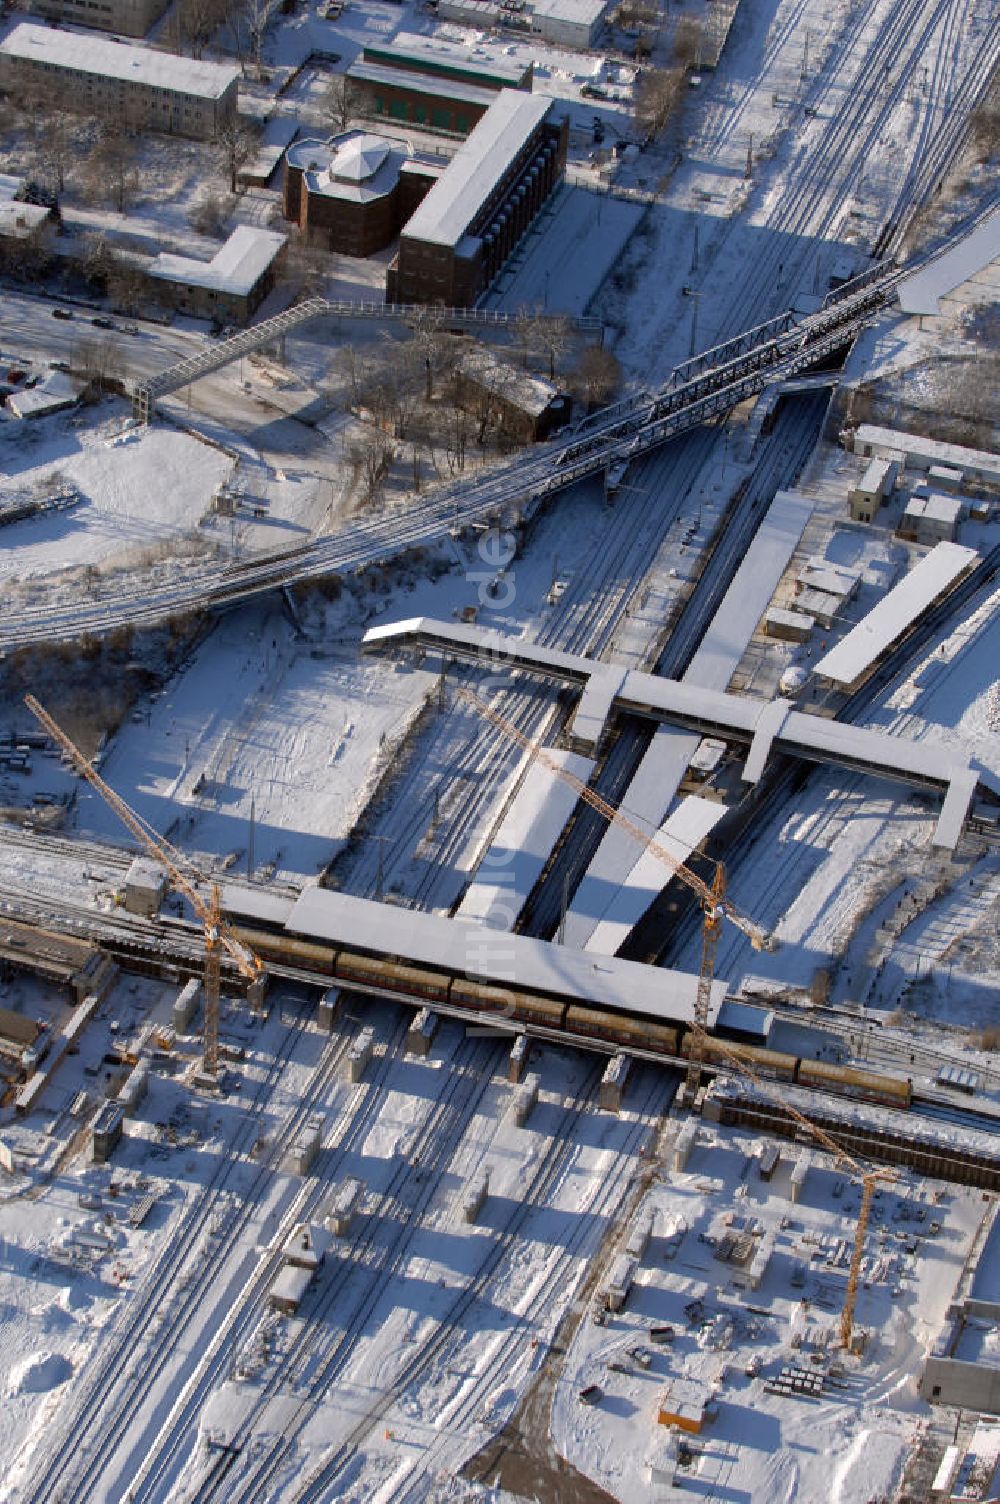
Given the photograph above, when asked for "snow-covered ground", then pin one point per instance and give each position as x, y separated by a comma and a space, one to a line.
850, 1443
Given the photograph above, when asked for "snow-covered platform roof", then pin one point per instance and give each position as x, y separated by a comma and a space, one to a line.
895, 613
461, 949
680, 835
765, 724
85, 53
645, 801
749, 595
477, 168
921, 293
523, 844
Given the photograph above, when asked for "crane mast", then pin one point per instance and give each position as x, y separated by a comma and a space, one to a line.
183, 876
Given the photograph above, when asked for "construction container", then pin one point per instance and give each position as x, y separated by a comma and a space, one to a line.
684, 1404
306, 1147
185, 1004
474, 1196
106, 1132
145, 885
420, 1034
684, 1143
518, 1059
134, 1089
329, 1010
345, 1206
798, 1178
360, 1054
612, 1087
768, 1161
639, 1234
523, 1101
615, 1290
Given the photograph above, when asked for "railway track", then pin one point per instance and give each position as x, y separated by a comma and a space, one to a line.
157, 1476
90, 1430
315, 1360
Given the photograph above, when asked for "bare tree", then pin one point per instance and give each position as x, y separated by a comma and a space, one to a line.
56, 149
305, 266
658, 95
689, 42
127, 286
985, 122
342, 101
111, 165
191, 24
257, 14
238, 142
596, 376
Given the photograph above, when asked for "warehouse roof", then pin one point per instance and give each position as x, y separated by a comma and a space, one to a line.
894, 613
236, 267
465, 949
98, 55
478, 167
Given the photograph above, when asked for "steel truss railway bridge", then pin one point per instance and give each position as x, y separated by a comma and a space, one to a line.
701, 390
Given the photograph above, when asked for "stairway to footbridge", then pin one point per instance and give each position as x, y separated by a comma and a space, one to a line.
146, 392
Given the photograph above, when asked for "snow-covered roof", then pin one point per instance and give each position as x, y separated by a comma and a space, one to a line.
920, 293
55, 392
422, 83
832, 579
460, 948
646, 801
236, 267
747, 598
438, 52
680, 835
936, 508
577, 12
921, 452
523, 843
85, 53
895, 613
357, 167
532, 394
478, 167
18, 220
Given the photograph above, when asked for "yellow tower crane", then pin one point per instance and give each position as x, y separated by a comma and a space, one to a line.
715, 907
183, 876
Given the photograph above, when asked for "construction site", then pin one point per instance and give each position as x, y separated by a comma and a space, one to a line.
500, 780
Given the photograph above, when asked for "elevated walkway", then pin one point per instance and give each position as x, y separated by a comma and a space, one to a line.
762, 725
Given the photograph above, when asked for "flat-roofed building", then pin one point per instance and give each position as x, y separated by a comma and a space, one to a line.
477, 211
230, 286
137, 85
128, 18
442, 59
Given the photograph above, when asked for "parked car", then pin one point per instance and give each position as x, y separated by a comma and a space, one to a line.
102, 323
61, 313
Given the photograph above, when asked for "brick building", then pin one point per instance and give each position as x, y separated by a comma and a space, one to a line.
232, 285
354, 193
432, 84
94, 76
477, 211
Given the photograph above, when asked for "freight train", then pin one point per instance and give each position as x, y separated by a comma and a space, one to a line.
388, 978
